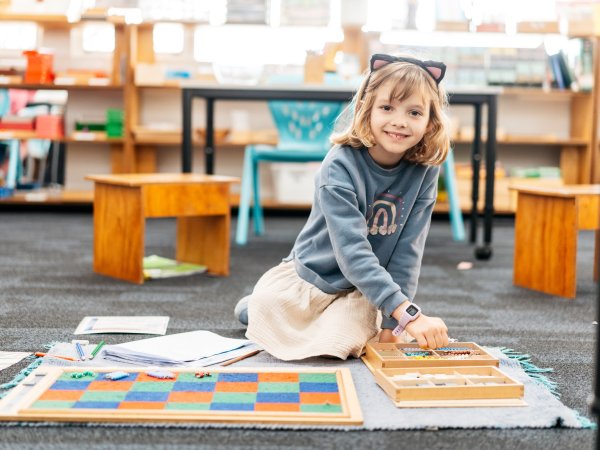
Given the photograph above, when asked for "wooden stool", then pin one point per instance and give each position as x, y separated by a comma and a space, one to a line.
547, 222
123, 202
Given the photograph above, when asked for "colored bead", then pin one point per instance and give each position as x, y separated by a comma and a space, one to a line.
116, 375
162, 374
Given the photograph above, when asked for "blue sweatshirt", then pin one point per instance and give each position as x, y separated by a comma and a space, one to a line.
367, 227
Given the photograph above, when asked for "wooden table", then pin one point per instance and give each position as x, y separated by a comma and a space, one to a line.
123, 202
547, 223
479, 98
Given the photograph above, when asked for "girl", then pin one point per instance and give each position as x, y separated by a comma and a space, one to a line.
361, 248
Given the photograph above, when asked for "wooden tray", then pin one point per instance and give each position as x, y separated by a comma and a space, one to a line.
383, 355
450, 387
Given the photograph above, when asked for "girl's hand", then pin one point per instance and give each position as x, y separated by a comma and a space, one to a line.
430, 332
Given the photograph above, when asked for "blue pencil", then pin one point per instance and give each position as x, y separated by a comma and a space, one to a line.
80, 351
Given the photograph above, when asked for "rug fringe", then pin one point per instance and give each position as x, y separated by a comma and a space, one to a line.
536, 372
25, 372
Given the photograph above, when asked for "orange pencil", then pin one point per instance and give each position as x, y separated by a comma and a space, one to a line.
55, 356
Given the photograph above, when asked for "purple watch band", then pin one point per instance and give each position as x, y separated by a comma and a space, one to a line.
411, 313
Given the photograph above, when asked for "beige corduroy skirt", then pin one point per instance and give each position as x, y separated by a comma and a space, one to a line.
292, 319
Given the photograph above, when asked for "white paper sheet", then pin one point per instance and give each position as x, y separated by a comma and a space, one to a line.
174, 349
123, 324
7, 359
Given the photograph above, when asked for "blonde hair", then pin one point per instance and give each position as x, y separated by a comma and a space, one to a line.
407, 79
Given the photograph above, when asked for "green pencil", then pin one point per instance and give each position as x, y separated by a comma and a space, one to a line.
97, 349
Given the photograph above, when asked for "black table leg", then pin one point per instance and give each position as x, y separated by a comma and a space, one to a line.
186, 141
209, 147
485, 251
475, 166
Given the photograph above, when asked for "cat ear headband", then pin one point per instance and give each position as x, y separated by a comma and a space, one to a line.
435, 69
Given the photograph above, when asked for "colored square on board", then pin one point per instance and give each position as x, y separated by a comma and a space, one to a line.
232, 406
190, 386
276, 377
191, 376
103, 396
278, 387
318, 377
318, 387
70, 385
188, 406
277, 397
149, 386
238, 377
282, 407
52, 404
319, 397
322, 408
141, 405
110, 386
133, 396
61, 395
190, 397
234, 397
236, 387
96, 405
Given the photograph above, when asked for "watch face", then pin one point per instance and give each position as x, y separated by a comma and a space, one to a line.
412, 310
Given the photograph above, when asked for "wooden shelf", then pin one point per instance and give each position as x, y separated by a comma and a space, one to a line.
531, 140
49, 197
61, 87
95, 137
538, 93
43, 19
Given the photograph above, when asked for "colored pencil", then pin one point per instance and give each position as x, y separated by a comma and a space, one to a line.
239, 358
80, 351
41, 355
97, 349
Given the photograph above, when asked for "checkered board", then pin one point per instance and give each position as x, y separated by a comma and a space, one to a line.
227, 394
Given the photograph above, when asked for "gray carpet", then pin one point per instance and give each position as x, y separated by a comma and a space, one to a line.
47, 286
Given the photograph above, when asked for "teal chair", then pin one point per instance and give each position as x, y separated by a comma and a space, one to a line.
456, 219
304, 129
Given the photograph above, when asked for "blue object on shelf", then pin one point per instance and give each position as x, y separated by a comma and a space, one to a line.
6, 192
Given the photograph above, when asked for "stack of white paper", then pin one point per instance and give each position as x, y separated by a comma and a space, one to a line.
195, 348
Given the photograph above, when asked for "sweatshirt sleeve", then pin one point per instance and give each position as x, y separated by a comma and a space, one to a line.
405, 263
353, 252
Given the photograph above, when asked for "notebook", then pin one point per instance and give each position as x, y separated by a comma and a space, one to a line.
191, 348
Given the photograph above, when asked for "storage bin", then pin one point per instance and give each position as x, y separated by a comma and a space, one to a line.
49, 126
294, 182
39, 67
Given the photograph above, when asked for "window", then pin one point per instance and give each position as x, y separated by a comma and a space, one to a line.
18, 35
168, 38
285, 40
98, 38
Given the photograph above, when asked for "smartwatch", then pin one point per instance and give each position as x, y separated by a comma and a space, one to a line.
411, 313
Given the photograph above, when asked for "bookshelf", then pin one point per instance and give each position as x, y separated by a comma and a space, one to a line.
144, 149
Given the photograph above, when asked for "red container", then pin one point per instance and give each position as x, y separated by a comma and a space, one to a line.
39, 67
49, 126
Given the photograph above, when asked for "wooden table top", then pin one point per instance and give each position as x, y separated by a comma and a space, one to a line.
142, 179
572, 190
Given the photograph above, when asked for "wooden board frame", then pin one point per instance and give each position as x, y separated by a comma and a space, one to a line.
16, 405
389, 355
424, 387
